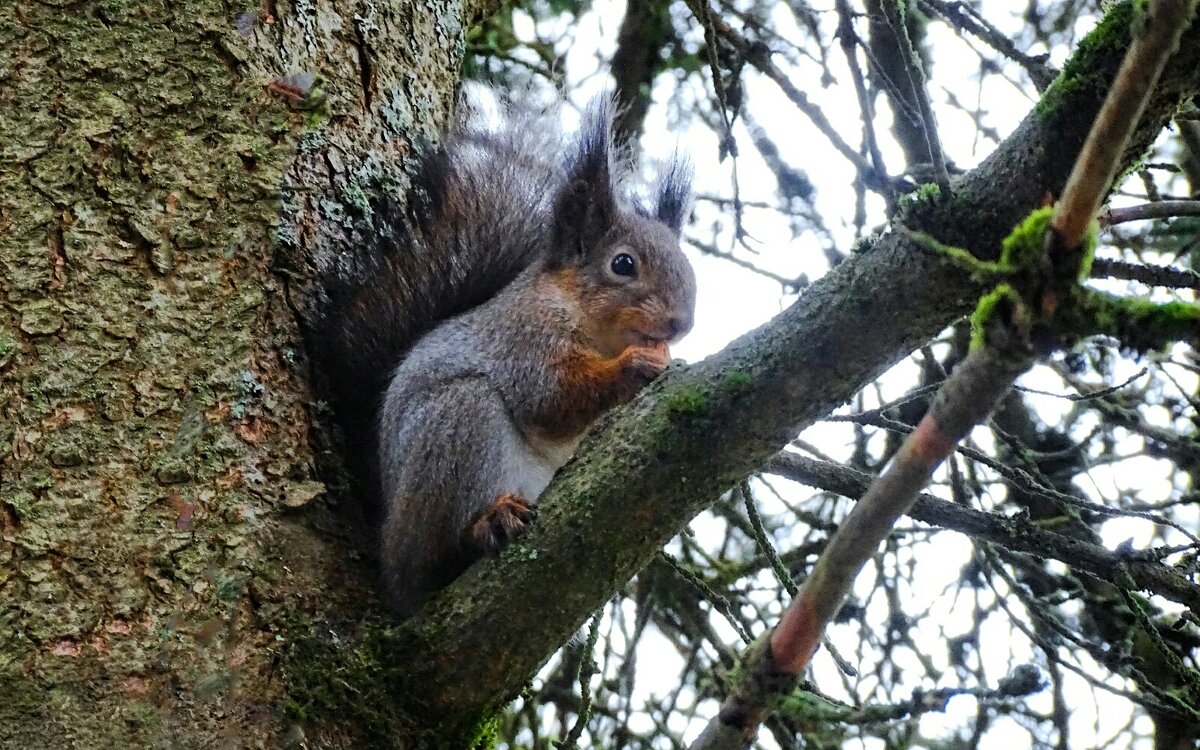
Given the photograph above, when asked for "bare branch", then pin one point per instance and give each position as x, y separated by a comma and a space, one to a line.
644, 31
914, 73
960, 16
1013, 534
849, 42
1173, 278
1154, 210
761, 60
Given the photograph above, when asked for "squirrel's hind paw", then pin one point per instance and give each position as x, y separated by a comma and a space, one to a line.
499, 523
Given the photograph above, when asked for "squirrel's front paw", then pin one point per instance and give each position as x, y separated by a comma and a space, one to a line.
643, 364
499, 523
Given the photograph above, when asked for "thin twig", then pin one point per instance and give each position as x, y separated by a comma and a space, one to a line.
1164, 276
894, 14
761, 60
1041, 74
849, 42
789, 285
1154, 210
703, 12
587, 669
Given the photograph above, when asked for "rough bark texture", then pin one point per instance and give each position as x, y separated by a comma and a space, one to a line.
155, 563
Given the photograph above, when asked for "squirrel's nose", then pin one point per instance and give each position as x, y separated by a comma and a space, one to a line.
679, 325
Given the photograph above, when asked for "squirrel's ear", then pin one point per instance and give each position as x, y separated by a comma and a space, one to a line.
586, 206
675, 193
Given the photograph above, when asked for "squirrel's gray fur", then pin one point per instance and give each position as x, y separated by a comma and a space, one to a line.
502, 218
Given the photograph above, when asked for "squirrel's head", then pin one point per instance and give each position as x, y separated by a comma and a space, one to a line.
634, 281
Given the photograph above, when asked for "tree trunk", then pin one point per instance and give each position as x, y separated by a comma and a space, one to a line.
161, 547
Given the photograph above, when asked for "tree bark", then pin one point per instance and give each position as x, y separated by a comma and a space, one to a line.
160, 547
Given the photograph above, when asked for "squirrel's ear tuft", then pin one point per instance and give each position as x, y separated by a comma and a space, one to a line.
586, 205
675, 193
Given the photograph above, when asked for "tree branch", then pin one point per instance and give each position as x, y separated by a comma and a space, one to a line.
1012, 534
1153, 210
644, 32
960, 16
1097, 165
908, 92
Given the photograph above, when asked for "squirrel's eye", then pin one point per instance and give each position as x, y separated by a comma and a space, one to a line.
624, 265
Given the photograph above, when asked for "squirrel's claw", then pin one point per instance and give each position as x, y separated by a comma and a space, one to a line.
500, 523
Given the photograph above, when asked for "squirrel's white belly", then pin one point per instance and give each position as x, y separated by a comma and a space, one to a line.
534, 461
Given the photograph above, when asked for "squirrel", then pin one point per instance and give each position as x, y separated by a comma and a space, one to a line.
531, 294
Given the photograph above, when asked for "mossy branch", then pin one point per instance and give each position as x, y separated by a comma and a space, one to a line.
1138, 324
1160, 27
1077, 312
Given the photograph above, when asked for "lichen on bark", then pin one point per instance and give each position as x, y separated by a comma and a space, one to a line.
157, 493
